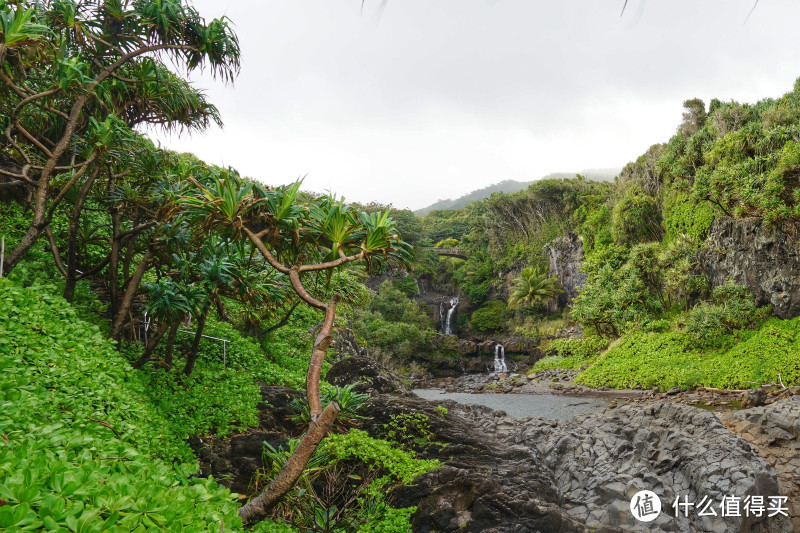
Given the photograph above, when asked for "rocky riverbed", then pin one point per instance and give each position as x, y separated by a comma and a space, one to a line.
510, 474
561, 382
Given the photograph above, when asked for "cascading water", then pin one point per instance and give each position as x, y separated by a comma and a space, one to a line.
446, 329
500, 359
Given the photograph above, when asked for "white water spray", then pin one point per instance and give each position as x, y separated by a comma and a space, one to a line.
500, 359
448, 330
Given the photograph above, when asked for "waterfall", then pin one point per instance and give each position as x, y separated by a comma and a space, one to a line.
500, 359
446, 328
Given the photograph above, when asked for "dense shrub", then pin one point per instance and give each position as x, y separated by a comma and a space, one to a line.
730, 309
619, 293
406, 285
343, 487
475, 276
490, 317
636, 218
393, 325
685, 216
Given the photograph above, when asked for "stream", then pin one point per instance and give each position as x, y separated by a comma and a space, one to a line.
553, 406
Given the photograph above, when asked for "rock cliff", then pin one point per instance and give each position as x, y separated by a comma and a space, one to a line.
764, 259
566, 259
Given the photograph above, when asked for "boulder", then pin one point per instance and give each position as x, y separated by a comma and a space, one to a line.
754, 398
774, 431
274, 410
367, 376
233, 461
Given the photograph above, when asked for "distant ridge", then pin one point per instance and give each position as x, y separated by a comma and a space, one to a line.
511, 186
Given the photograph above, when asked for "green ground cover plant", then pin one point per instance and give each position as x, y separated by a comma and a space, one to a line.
671, 359
83, 448
570, 353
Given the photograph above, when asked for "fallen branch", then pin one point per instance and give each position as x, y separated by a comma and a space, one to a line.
106, 424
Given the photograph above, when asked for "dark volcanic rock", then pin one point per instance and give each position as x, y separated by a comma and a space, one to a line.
600, 461
368, 376
566, 260
233, 461
453, 499
774, 430
274, 411
765, 259
754, 398
485, 485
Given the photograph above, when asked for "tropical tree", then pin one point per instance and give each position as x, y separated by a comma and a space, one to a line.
214, 275
167, 306
299, 237
533, 286
75, 76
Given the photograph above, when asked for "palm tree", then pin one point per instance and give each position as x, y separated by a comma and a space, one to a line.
533, 286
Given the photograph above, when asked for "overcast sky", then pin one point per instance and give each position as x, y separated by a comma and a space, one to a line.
416, 100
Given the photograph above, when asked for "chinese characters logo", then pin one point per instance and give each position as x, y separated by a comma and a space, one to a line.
645, 506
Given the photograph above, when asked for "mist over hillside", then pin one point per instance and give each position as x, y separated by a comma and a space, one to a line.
511, 186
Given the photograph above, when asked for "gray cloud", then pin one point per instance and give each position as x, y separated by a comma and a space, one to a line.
423, 100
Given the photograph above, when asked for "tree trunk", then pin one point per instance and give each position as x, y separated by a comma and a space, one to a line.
320, 350
173, 332
48, 231
194, 353
31, 236
280, 324
259, 507
113, 263
321, 422
129, 253
151, 345
130, 293
41, 194
72, 235
223, 316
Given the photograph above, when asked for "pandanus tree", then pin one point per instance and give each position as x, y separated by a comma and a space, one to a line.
73, 72
167, 305
298, 237
213, 276
157, 225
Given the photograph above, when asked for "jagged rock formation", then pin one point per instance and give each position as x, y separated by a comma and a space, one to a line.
566, 259
766, 260
502, 474
600, 461
774, 430
485, 485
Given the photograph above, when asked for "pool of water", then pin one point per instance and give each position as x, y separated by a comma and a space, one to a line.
521, 405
